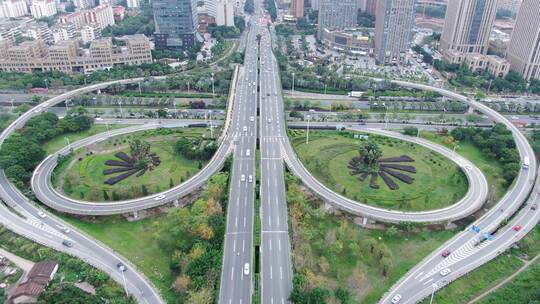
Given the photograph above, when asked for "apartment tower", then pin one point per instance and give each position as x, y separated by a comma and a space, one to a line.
176, 23
393, 29
467, 27
524, 48
337, 15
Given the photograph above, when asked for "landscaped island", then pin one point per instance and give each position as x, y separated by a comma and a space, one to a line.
404, 176
134, 165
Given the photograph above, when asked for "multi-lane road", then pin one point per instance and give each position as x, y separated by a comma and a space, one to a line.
237, 270
275, 245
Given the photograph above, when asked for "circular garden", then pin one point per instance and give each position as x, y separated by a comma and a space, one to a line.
381, 171
133, 165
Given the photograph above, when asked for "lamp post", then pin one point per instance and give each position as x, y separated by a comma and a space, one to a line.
307, 133
213, 92
211, 126
293, 84
68, 143
434, 286
385, 116
121, 112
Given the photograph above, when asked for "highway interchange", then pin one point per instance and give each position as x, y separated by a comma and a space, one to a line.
468, 250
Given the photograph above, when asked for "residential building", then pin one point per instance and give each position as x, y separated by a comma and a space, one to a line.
524, 48
336, 15
32, 56
102, 15
510, 5
297, 8
133, 3
204, 21
36, 31
76, 18
84, 4
467, 27
90, 33
393, 29
225, 12
176, 23
35, 283
494, 64
351, 42
13, 8
43, 8
63, 32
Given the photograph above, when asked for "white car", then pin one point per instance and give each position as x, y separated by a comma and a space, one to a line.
244, 128
445, 271
250, 178
248, 152
269, 120
41, 214
514, 118
246, 269
243, 178
249, 84
251, 118
159, 197
396, 299
253, 91
254, 83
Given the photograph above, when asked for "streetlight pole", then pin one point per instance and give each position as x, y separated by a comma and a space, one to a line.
307, 133
434, 286
12, 106
325, 89
211, 127
454, 150
175, 111
140, 91
293, 84
68, 143
418, 132
121, 112
213, 92
125, 284
108, 131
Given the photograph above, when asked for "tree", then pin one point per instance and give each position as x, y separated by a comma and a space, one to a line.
411, 131
370, 152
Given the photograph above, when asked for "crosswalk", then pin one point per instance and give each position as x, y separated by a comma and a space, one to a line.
458, 255
48, 229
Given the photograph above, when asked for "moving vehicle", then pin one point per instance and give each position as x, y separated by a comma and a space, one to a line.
526, 162
67, 243
243, 178
445, 272
244, 128
269, 120
251, 118
396, 299
248, 152
246, 269
159, 197
534, 206
41, 214
445, 253
121, 267
517, 227
250, 178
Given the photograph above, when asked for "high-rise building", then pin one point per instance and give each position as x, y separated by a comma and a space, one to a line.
467, 28
90, 33
510, 5
102, 15
336, 15
176, 23
43, 8
524, 48
393, 29
297, 8
133, 3
224, 12
13, 8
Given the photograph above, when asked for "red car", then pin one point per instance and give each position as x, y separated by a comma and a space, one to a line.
517, 228
445, 253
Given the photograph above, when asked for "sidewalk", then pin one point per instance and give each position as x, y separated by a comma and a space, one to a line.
25, 265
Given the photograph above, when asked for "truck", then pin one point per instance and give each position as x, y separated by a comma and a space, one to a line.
526, 163
355, 94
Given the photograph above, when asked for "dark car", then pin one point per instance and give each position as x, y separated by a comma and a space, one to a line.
121, 267
534, 206
67, 243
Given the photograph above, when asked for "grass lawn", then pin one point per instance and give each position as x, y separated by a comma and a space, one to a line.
135, 241
82, 176
334, 252
329, 152
491, 169
60, 141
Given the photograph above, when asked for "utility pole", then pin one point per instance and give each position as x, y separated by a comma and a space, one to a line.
213, 92
68, 143
307, 133
121, 112
211, 127
293, 84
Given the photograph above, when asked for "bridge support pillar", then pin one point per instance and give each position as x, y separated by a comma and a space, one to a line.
328, 207
176, 203
135, 214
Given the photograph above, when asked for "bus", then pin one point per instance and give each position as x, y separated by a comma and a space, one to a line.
526, 162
